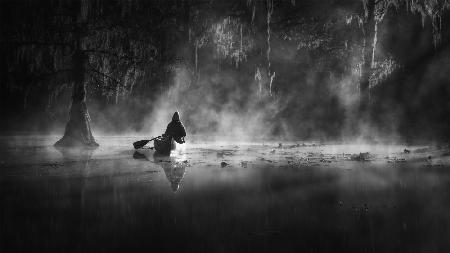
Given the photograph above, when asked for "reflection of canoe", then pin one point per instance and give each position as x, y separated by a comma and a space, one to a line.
164, 145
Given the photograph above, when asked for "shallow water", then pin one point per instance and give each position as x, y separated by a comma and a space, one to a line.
211, 196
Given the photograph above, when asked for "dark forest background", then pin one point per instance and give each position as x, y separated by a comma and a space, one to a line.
311, 69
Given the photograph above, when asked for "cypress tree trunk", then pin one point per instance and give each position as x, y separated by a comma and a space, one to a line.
78, 128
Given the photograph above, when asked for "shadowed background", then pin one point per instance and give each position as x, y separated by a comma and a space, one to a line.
256, 69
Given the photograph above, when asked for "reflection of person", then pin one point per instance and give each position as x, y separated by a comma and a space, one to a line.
175, 129
173, 169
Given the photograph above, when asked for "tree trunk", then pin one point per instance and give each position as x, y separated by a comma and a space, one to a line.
78, 129
366, 66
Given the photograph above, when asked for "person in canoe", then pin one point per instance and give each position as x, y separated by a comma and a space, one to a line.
175, 132
164, 144
175, 129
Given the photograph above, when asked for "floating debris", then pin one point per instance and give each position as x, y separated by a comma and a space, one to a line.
151, 171
294, 146
223, 164
52, 165
395, 160
406, 151
360, 211
361, 157
434, 165
222, 153
264, 159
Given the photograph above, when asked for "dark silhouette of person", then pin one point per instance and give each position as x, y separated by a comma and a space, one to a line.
175, 129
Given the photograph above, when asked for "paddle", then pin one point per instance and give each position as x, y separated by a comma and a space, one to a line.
141, 143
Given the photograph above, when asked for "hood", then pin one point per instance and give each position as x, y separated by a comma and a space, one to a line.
176, 116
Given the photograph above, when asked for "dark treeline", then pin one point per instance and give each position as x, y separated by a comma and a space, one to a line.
305, 69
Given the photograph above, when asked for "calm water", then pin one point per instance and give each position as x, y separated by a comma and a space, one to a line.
222, 197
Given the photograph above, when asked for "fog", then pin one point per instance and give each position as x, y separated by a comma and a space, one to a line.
241, 78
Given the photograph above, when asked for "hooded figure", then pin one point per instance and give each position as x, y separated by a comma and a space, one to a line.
175, 129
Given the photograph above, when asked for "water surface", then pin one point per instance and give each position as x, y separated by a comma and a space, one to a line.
223, 197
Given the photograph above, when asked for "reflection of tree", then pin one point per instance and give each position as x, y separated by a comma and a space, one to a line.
78, 189
77, 154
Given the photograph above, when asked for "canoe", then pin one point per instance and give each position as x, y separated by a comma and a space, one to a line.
163, 145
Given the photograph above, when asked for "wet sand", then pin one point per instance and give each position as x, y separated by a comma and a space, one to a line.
218, 197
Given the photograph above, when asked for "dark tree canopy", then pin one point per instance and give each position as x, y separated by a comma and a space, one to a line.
304, 69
